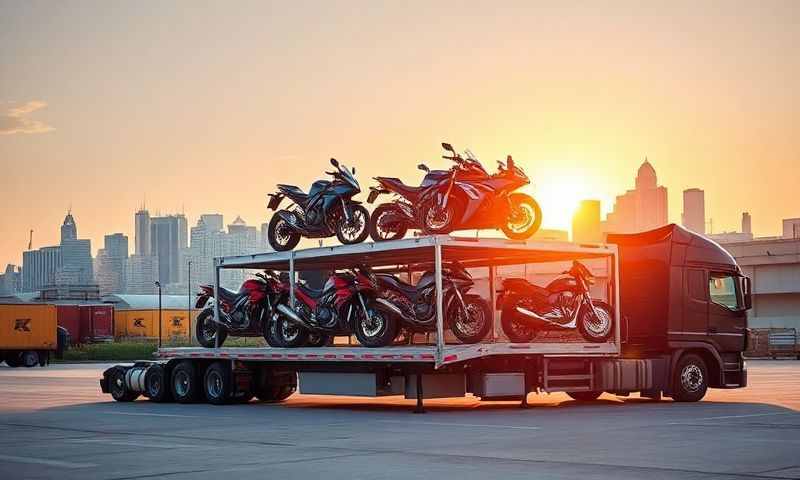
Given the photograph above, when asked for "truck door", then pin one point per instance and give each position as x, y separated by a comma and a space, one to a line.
727, 318
695, 312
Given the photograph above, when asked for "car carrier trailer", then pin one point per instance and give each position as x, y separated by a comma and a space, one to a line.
679, 365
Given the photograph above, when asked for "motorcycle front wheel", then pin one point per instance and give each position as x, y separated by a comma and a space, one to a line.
473, 325
206, 330
441, 220
281, 235
376, 328
596, 329
380, 229
524, 219
356, 229
515, 329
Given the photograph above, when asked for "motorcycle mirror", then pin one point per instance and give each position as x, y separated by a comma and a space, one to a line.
448, 147
354, 170
510, 162
335, 162
424, 168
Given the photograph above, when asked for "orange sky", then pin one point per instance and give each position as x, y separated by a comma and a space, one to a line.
205, 108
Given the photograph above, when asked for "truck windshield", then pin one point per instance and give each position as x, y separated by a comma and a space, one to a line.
723, 291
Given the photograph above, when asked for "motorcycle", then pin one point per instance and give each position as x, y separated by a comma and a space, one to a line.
245, 313
468, 316
327, 209
464, 197
564, 304
345, 304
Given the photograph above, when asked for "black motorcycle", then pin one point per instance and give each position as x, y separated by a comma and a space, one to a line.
327, 209
245, 313
467, 315
345, 305
464, 197
565, 304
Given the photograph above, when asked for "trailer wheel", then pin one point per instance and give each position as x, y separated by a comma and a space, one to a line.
118, 388
585, 396
690, 379
217, 383
14, 359
184, 382
30, 358
156, 384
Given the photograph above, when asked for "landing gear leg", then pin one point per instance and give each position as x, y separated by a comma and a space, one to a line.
524, 402
420, 408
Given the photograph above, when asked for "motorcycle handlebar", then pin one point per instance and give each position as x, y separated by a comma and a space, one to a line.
332, 173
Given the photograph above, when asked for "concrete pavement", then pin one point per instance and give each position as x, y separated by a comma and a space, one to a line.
55, 422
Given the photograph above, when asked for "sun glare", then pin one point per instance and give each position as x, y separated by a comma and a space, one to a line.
559, 197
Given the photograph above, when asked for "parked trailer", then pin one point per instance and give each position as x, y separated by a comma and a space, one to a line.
29, 334
493, 370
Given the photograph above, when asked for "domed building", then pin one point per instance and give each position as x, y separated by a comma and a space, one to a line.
640, 209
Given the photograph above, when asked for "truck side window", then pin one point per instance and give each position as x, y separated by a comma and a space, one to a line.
697, 285
723, 291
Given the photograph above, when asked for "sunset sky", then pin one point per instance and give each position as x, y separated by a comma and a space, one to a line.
203, 107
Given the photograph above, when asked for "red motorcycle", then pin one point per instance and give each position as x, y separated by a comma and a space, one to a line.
345, 304
245, 313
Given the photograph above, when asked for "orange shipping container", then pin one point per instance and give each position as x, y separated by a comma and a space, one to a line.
28, 327
175, 324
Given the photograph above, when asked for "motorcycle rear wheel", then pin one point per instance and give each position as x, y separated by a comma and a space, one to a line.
356, 229
282, 237
380, 232
524, 219
206, 330
290, 334
516, 330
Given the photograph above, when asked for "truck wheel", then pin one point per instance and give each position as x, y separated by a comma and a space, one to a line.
156, 384
118, 388
690, 379
14, 359
585, 396
184, 383
217, 383
30, 358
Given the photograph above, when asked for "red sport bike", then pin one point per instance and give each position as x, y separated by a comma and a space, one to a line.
345, 305
245, 313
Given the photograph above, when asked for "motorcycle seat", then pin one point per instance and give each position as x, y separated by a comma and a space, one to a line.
520, 285
294, 192
311, 292
405, 287
400, 188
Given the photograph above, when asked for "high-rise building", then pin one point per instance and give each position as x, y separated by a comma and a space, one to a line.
168, 236
39, 268
213, 221
141, 236
791, 228
747, 223
141, 274
263, 242
640, 209
11, 280
209, 242
111, 264
694, 210
76, 256
586, 226
69, 231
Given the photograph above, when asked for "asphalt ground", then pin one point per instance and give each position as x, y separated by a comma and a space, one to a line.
55, 423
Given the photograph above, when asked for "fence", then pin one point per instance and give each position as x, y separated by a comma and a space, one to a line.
773, 342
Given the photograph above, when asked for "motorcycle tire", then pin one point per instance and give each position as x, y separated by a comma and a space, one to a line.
356, 210
587, 324
374, 224
481, 313
202, 330
521, 200
271, 333
516, 331
289, 334
377, 331
292, 236
454, 209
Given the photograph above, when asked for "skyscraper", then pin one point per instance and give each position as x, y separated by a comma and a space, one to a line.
141, 236
747, 223
111, 264
694, 210
640, 209
168, 235
76, 255
586, 223
39, 268
69, 231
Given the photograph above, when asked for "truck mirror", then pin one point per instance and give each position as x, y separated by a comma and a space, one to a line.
747, 289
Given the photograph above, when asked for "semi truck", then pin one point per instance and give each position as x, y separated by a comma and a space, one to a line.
30, 335
679, 303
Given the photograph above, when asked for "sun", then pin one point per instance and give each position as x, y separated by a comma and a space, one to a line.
559, 198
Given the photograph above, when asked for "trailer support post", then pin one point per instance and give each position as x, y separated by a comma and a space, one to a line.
291, 278
437, 260
216, 302
420, 408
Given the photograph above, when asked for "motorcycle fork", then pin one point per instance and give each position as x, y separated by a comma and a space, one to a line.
344, 210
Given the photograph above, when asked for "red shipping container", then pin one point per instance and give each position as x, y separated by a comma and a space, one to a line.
69, 317
96, 322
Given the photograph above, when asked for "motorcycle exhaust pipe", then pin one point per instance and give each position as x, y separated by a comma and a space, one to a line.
294, 317
538, 318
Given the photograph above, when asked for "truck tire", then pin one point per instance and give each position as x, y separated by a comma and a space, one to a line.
217, 383
585, 396
156, 384
118, 388
14, 359
184, 383
689, 379
30, 358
